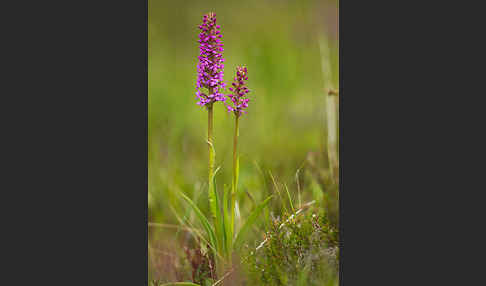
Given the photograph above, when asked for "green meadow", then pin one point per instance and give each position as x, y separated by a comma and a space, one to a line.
291, 51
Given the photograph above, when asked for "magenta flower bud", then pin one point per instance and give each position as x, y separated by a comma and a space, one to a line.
210, 66
240, 102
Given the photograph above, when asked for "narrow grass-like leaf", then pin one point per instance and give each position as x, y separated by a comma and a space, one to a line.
187, 212
204, 221
218, 219
250, 196
233, 194
266, 222
278, 192
212, 193
298, 183
237, 212
194, 231
290, 199
228, 232
261, 173
237, 170
249, 222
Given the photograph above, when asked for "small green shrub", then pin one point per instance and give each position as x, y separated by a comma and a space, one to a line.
299, 250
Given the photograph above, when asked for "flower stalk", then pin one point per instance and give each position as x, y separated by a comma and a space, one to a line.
210, 145
235, 174
210, 76
240, 103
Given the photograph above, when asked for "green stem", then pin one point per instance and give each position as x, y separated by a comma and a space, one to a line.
235, 176
210, 140
211, 191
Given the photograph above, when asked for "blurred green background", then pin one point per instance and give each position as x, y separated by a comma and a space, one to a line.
286, 122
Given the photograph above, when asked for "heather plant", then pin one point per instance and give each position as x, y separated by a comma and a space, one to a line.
300, 249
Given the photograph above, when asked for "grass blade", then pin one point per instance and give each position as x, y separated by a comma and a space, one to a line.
237, 171
249, 222
195, 232
218, 217
212, 193
278, 192
298, 183
204, 221
290, 199
228, 233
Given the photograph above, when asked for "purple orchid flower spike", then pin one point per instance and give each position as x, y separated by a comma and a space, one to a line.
239, 89
210, 66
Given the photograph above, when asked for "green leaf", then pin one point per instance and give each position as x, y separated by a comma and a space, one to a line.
187, 213
213, 205
237, 170
228, 232
233, 196
249, 222
290, 199
218, 219
278, 192
204, 221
